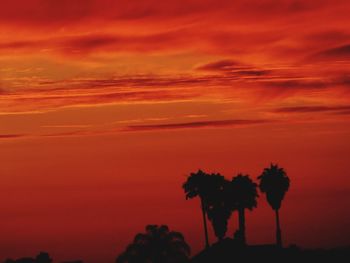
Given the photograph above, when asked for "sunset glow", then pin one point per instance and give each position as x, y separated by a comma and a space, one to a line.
106, 106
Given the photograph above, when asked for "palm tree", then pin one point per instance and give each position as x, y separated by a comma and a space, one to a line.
274, 182
157, 245
197, 184
243, 195
218, 209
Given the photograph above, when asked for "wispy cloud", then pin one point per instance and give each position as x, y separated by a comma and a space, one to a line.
231, 123
51, 95
67, 126
339, 109
234, 68
336, 53
194, 125
91, 53
11, 136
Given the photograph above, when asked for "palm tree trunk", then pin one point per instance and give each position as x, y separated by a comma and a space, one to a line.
278, 229
241, 220
205, 225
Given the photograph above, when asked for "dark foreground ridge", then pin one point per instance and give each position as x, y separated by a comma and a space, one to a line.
228, 251
42, 257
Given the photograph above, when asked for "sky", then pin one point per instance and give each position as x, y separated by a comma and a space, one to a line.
106, 106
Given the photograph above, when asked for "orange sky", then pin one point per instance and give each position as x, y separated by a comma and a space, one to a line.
106, 105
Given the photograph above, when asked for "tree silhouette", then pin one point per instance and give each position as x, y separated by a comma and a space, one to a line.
218, 209
43, 257
243, 195
197, 184
274, 182
157, 245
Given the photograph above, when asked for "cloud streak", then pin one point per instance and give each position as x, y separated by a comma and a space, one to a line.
229, 123
11, 136
234, 68
340, 109
196, 125
51, 95
339, 53
96, 52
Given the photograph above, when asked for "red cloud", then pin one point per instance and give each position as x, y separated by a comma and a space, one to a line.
191, 125
11, 136
340, 109
222, 65
337, 53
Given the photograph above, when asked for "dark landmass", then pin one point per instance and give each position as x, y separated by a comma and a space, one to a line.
228, 250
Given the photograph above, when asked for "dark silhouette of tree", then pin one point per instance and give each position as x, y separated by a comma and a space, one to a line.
274, 182
197, 184
157, 245
218, 209
43, 257
242, 195
25, 260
